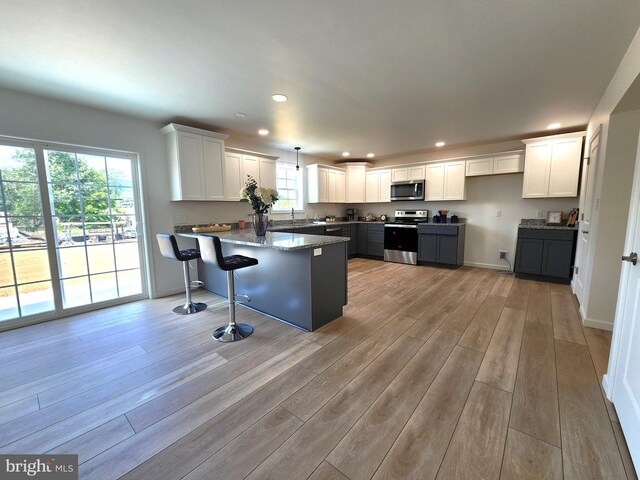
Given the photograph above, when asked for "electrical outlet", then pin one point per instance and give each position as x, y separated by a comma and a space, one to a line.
540, 214
503, 254
179, 219
498, 213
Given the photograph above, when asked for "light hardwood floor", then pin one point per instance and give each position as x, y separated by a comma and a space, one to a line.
430, 373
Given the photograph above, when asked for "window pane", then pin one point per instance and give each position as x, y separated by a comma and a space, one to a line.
8, 303
75, 292
119, 171
31, 266
73, 262
100, 258
70, 231
66, 199
92, 169
122, 201
61, 167
95, 200
6, 270
103, 287
127, 255
36, 298
17, 163
27, 232
22, 198
129, 283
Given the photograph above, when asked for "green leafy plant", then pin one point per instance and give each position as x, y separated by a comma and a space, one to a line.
261, 199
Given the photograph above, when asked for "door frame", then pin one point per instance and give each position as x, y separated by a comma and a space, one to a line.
584, 260
610, 378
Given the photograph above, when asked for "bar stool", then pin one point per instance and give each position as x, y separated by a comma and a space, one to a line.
169, 249
211, 251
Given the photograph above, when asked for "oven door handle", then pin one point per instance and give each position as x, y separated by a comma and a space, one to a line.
393, 225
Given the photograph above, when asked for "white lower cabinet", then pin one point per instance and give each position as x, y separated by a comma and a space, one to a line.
552, 166
445, 181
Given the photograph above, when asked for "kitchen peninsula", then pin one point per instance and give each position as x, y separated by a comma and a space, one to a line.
300, 279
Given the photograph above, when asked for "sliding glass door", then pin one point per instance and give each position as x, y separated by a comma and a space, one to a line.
71, 232
25, 274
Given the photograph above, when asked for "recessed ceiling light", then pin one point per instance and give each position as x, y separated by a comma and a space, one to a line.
240, 115
278, 97
370, 155
439, 144
263, 131
345, 154
553, 126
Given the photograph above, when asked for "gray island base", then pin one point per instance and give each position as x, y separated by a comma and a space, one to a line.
300, 279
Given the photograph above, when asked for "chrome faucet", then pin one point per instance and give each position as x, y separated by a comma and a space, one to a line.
293, 218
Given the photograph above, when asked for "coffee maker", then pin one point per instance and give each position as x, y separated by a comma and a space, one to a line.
351, 213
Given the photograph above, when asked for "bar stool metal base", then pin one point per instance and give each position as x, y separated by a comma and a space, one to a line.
232, 333
189, 308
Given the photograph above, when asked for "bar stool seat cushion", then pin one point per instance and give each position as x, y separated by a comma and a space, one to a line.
189, 254
234, 262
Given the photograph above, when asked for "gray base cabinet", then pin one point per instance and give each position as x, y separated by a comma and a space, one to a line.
441, 244
545, 254
375, 240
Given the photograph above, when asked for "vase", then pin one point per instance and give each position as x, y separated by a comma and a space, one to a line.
260, 224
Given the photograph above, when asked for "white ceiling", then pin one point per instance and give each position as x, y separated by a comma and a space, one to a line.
378, 75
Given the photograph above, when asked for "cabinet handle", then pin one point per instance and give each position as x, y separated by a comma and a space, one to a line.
633, 258
585, 231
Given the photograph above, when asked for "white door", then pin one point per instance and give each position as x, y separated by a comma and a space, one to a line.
191, 158
589, 169
624, 361
341, 187
267, 173
372, 189
251, 166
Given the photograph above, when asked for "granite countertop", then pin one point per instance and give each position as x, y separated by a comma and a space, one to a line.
540, 224
275, 240
285, 226
433, 224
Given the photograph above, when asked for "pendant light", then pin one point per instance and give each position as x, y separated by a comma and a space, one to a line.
297, 149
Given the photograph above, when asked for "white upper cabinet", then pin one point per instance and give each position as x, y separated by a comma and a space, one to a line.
195, 162
385, 185
496, 165
454, 181
233, 181
378, 186
325, 184
552, 166
405, 174
238, 164
213, 150
356, 178
434, 182
445, 181
267, 173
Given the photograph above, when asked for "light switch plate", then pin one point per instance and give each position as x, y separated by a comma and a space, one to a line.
179, 219
317, 252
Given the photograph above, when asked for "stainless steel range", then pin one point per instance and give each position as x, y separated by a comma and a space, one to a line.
401, 236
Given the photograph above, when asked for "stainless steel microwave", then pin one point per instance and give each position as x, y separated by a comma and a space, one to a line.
411, 190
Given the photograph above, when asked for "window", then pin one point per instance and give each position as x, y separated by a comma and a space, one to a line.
289, 185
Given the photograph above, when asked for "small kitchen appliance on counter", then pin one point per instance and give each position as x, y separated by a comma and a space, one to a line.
351, 214
401, 236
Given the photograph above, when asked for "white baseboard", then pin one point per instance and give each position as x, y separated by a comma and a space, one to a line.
486, 265
590, 322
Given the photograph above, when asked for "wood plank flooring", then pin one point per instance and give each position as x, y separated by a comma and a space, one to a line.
430, 373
